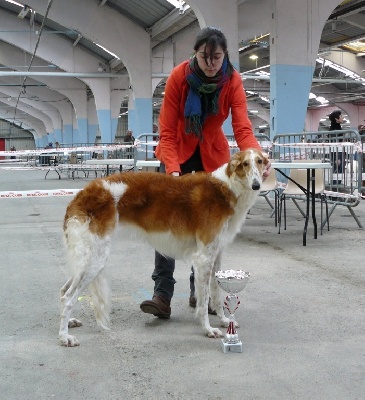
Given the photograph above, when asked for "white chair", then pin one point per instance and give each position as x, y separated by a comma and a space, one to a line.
294, 192
270, 185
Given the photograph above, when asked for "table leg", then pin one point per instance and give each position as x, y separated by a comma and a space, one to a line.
313, 178
307, 210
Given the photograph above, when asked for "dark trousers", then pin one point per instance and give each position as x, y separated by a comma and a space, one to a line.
163, 274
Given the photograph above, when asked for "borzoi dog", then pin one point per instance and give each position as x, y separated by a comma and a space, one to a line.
189, 217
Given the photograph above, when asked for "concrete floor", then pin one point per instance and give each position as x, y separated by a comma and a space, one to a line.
301, 314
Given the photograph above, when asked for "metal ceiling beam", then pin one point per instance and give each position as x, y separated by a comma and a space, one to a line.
157, 75
62, 74
315, 80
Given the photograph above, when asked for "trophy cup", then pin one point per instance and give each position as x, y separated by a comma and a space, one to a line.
232, 282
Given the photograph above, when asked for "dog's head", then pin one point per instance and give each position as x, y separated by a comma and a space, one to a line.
247, 168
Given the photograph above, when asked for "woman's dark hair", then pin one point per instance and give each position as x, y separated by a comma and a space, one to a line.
212, 37
334, 115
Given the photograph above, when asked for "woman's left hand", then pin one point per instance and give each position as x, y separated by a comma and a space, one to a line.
268, 167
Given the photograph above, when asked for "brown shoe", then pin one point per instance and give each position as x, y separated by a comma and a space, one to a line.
192, 303
158, 306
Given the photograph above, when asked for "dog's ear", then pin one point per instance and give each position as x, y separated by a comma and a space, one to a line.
232, 165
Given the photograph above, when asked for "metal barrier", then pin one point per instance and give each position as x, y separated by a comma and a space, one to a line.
264, 140
343, 149
145, 146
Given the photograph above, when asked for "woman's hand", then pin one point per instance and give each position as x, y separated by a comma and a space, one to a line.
268, 167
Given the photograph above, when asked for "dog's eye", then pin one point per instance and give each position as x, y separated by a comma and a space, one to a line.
259, 161
245, 163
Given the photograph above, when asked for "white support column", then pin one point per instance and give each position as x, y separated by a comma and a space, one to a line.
119, 89
131, 43
92, 119
101, 90
292, 59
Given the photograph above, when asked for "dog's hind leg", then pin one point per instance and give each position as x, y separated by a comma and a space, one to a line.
88, 253
203, 265
72, 322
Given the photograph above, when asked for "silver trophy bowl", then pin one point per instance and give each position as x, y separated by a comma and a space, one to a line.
232, 282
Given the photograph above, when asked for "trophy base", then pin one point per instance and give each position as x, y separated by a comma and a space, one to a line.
231, 347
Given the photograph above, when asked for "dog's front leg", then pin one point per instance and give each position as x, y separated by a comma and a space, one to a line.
203, 265
216, 293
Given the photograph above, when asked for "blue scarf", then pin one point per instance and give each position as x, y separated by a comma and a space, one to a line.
203, 95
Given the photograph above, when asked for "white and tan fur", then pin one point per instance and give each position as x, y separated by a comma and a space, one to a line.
191, 217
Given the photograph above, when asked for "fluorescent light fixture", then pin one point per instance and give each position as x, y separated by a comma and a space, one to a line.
15, 2
253, 57
108, 51
320, 99
179, 4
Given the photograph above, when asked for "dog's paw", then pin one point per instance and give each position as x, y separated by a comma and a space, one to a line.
225, 323
214, 333
74, 323
68, 341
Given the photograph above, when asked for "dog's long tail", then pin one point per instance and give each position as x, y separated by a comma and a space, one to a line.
100, 294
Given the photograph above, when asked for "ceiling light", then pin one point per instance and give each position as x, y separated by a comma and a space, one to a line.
253, 57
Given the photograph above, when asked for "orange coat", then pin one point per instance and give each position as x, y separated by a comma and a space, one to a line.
175, 146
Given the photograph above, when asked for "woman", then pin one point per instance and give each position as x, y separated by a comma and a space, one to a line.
199, 95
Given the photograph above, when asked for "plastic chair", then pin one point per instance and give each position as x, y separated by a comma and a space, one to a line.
270, 185
294, 192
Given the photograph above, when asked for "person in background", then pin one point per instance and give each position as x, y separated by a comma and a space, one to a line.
337, 158
129, 139
155, 131
336, 120
12, 148
199, 95
155, 137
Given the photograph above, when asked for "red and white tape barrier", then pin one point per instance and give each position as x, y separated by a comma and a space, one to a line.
38, 152
38, 193
328, 146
